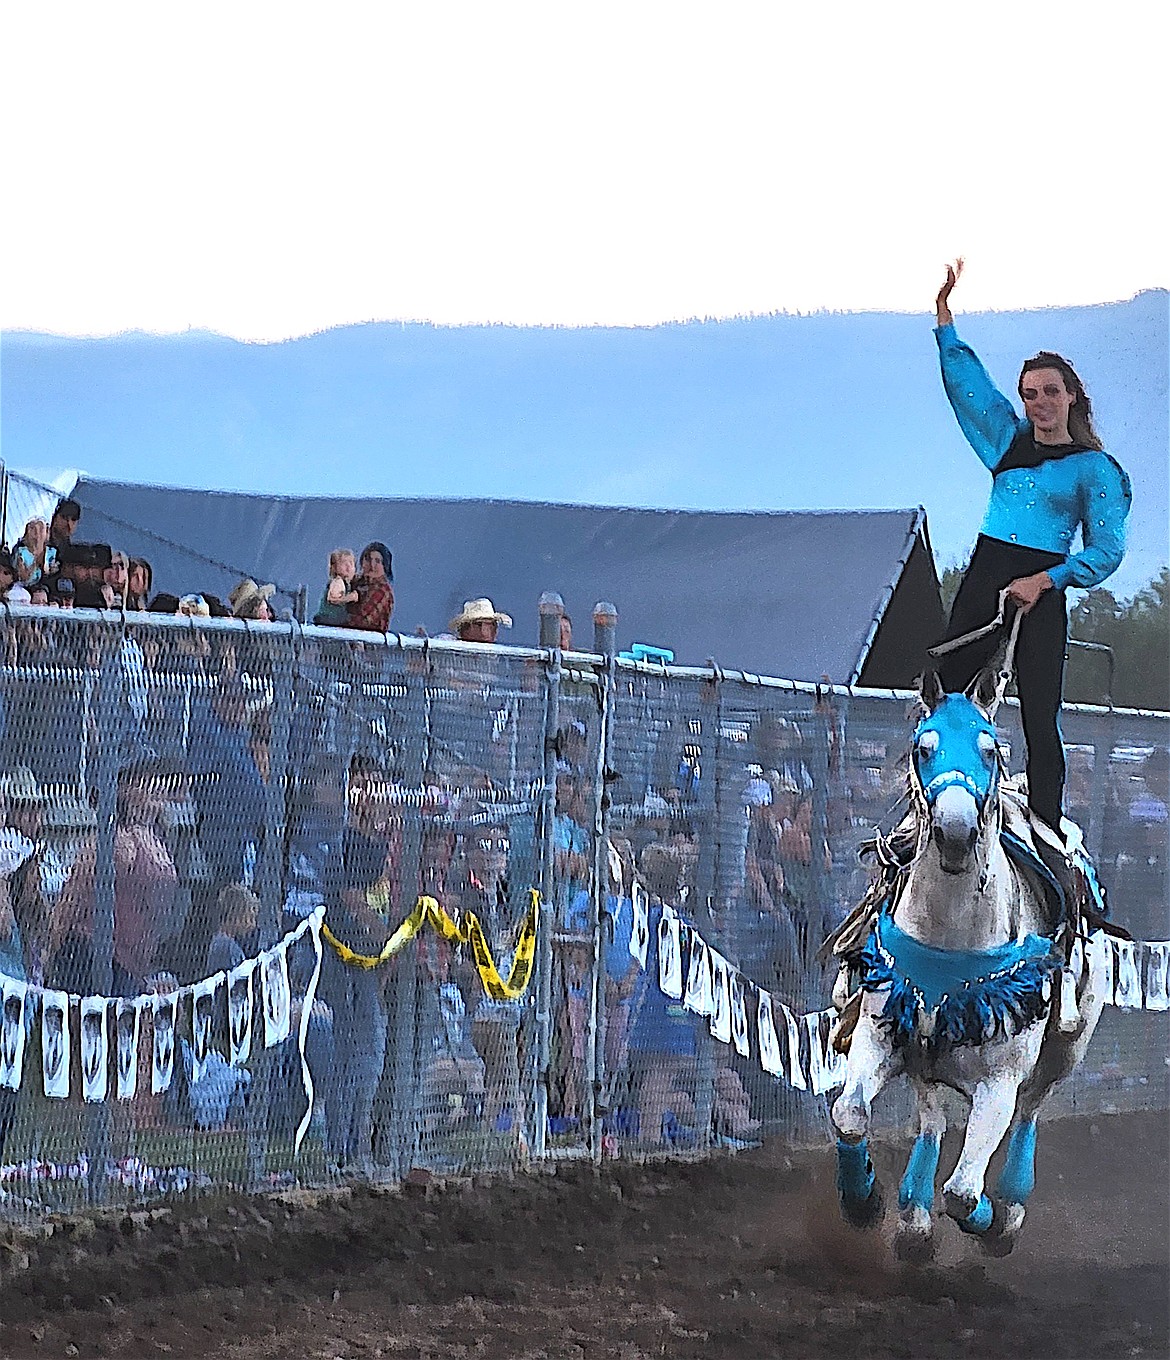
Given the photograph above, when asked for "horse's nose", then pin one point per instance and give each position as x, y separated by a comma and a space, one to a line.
950, 846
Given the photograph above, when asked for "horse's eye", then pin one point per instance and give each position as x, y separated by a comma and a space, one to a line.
928, 743
986, 744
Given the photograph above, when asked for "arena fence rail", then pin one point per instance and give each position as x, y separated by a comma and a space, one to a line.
288, 906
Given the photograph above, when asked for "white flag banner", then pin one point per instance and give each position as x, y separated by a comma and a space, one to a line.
836, 1064
640, 930
739, 1019
796, 1075
699, 996
314, 924
1158, 977
720, 1023
277, 1001
14, 1002
1129, 978
1103, 944
202, 1023
771, 1059
670, 979
162, 1057
55, 1055
95, 1048
816, 1065
822, 1069
127, 1032
239, 1002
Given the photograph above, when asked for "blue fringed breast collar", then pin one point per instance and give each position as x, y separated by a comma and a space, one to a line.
938, 973
948, 997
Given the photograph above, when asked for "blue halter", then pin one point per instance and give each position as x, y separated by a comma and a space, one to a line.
955, 744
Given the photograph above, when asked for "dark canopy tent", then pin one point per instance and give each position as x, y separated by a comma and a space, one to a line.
801, 595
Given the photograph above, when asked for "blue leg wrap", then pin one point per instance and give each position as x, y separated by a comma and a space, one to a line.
1017, 1180
917, 1187
979, 1219
855, 1174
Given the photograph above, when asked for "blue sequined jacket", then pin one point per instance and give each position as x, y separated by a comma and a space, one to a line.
1043, 506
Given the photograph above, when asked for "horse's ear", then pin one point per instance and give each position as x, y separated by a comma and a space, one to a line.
930, 690
983, 691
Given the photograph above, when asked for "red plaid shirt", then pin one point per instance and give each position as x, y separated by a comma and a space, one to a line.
375, 604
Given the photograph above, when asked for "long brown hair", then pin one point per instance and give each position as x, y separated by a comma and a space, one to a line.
1080, 416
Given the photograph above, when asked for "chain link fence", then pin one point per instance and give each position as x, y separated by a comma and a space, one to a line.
267, 911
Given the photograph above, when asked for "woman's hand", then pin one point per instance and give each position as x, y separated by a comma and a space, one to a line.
1026, 590
942, 302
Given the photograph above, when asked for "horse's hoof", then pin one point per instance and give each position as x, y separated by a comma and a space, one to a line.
1006, 1221
863, 1213
914, 1247
973, 1215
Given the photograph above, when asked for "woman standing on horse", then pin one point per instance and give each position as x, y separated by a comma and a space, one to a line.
1050, 477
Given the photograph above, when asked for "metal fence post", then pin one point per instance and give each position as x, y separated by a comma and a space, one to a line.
707, 873
415, 1004
551, 610
605, 633
109, 712
279, 651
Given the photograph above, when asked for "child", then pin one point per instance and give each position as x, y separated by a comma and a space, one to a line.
332, 611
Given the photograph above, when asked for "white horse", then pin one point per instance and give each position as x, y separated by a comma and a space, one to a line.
962, 981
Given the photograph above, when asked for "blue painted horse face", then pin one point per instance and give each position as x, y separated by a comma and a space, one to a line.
956, 761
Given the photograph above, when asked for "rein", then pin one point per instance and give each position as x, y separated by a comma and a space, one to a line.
1009, 657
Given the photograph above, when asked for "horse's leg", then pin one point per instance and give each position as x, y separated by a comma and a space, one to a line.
872, 1062
992, 1105
913, 1241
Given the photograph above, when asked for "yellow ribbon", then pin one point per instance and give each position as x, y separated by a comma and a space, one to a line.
428, 912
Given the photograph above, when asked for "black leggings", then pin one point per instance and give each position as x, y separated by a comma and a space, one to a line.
1040, 654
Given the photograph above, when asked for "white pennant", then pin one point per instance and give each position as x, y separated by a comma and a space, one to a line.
95, 1050
13, 1003
720, 1024
127, 1031
1103, 945
669, 955
640, 930
202, 1023
1158, 977
162, 1053
1129, 980
796, 1075
699, 996
55, 1055
816, 1064
739, 1020
771, 1059
275, 993
239, 1003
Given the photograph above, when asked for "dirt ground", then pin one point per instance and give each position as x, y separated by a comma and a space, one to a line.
734, 1257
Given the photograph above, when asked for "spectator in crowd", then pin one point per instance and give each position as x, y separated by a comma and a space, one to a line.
139, 580
27, 574
85, 564
354, 995
24, 800
144, 889
7, 574
495, 1027
565, 642
163, 603
117, 580
372, 609
237, 937
333, 611
228, 792
251, 601
64, 522
479, 621
36, 539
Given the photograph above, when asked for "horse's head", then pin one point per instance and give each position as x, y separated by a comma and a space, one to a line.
955, 764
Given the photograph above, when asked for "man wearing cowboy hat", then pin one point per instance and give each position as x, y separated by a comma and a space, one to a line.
479, 621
